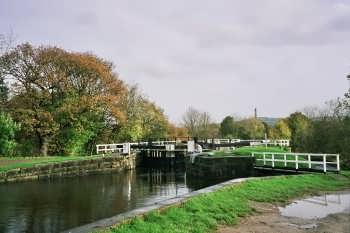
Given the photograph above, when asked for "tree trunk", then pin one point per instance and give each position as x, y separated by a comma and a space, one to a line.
44, 144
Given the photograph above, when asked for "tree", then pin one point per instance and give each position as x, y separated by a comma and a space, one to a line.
154, 122
175, 131
3, 93
133, 107
251, 128
64, 99
281, 130
299, 127
198, 124
205, 126
5, 44
8, 128
143, 119
227, 127
191, 121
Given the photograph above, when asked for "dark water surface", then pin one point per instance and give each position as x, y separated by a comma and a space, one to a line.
61, 204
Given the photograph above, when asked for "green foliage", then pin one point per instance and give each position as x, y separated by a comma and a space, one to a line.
205, 212
227, 127
144, 120
281, 130
67, 102
299, 126
251, 128
330, 135
327, 132
8, 129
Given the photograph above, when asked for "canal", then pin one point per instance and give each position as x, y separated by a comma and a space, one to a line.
61, 204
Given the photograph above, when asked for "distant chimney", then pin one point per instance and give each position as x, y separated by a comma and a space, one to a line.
255, 113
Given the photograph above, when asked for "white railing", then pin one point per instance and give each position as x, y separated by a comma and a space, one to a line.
297, 159
222, 140
123, 148
162, 143
277, 142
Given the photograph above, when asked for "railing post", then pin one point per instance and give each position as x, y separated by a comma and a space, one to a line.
296, 162
309, 160
338, 163
264, 158
324, 163
285, 160
273, 159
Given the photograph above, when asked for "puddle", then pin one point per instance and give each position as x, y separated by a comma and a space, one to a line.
318, 206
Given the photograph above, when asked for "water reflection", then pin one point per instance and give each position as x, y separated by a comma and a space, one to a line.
53, 206
318, 206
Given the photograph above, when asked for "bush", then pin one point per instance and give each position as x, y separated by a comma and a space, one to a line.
8, 129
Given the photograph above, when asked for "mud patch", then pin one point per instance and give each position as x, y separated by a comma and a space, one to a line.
267, 219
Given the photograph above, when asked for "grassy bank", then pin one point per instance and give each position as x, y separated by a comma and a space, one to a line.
203, 213
247, 150
8, 163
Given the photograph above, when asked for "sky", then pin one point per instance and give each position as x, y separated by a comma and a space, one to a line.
224, 56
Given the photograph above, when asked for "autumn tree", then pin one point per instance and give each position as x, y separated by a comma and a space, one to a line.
62, 99
175, 131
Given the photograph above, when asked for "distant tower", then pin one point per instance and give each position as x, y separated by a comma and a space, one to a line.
348, 77
255, 113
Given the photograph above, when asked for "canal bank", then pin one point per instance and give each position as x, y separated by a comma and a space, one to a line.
211, 208
103, 164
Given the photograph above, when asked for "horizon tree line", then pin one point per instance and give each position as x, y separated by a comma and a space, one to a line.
58, 102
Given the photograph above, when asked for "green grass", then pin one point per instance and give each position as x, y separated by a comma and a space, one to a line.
247, 150
205, 212
9, 163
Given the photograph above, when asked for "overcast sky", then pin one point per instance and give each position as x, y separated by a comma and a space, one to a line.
223, 57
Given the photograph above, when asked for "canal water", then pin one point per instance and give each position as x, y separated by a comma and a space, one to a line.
61, 204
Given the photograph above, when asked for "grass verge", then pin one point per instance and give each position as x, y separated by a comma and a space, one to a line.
203, 213
247, 150
9, 163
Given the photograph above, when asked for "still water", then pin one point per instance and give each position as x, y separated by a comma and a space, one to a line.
61, 204
318, 206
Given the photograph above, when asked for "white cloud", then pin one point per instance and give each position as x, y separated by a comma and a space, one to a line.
220, 56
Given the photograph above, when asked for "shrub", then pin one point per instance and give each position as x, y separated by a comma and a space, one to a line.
8, 129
